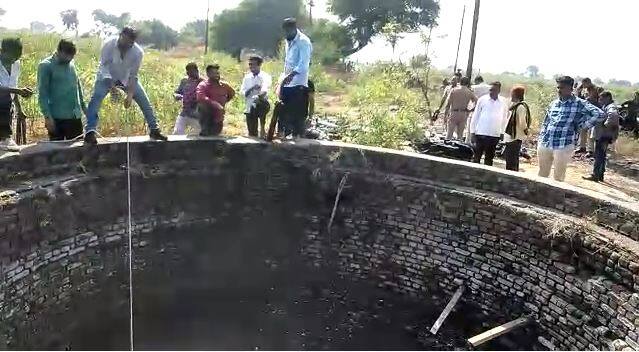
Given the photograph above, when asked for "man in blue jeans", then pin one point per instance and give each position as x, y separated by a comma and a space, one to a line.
120, 62
604, 133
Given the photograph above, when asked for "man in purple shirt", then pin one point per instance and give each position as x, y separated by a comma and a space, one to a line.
186, 92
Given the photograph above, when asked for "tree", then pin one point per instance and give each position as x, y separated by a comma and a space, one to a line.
40, 27
70, 20
367, 18
621, 83
254, 24
532, 71
194, 31
598, 81
108, 24
2, 12
392, 32
156, 34
331, 41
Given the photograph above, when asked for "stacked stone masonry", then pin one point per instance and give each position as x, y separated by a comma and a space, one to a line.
412, 224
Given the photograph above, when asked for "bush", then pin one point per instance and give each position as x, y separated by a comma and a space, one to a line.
385, 112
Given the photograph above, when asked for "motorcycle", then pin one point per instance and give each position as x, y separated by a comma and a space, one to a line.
626, 122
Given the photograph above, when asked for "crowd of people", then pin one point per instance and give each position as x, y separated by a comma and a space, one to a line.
62, 104
583, 119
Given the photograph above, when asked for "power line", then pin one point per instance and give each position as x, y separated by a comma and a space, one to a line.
461, 29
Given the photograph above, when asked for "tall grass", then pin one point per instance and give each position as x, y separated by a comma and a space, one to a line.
384, 112
160, 75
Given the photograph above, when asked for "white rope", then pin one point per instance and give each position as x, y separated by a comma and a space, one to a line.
128, 186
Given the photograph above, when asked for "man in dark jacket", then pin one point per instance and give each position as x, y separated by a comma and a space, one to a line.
604, 133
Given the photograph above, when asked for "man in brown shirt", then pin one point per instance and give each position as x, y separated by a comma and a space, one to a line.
457, 107
212, 95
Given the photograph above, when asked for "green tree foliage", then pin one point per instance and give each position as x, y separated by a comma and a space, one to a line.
532, 71
331, 41
254, 24
108, 24
194, 32
392, 32
40, 27
367, 18
70, 19
620, 83
156, 34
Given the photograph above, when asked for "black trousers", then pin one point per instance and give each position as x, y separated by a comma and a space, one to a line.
293, 116
257, 113
211, 120
511, 154
485, 146
66, 130
6, 119
601, 149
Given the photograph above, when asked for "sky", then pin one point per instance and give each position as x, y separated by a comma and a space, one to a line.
558, 36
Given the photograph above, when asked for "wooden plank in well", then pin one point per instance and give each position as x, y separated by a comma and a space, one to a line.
449, 307
496, 332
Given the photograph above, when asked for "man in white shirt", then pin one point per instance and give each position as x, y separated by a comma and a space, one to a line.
10, 53
120, 62
488, 124
255, 87
294, 86
480, 88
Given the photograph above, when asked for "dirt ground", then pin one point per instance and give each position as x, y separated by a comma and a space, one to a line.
615, 186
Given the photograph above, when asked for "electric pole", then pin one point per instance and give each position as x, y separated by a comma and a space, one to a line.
310, 11
471, 54
206, 34
461, 29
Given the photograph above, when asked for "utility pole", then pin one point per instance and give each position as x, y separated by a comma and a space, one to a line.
310, 11
206, 34
461, 29
471, 54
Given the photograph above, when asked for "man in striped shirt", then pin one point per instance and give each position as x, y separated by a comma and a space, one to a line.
565, 118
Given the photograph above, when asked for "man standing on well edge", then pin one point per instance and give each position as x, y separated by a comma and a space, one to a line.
120, 62
10, 53
212, 96
60, 94
295, 78
186, 92
566, 117
255, 87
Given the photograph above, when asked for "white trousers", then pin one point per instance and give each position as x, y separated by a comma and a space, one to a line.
554, 158
182, 122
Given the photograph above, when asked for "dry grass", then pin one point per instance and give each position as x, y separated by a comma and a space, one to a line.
627, 147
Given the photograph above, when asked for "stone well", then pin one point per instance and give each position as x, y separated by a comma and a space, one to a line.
239, 245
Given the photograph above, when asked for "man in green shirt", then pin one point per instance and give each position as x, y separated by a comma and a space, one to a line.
60, 94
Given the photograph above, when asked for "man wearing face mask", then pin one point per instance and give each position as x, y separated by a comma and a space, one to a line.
60, 94
120, 62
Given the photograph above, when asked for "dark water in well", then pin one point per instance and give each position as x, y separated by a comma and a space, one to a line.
259, 297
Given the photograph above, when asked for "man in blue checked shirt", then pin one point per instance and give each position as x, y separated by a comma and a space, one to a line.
565, 118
